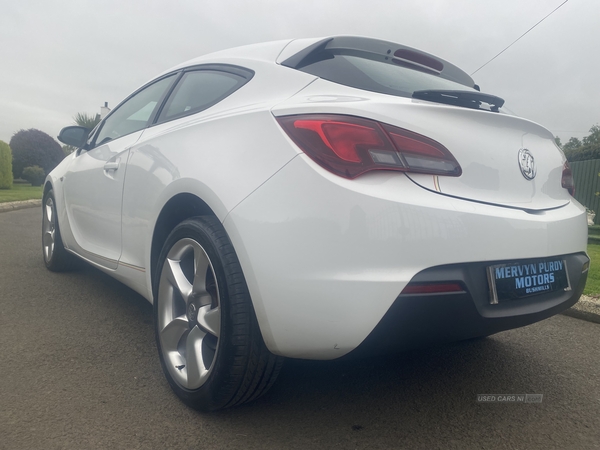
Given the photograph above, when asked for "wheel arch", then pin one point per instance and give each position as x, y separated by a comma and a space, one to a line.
178, 208
47, 187
61, 217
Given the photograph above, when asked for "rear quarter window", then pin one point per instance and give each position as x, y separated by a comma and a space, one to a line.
198, 90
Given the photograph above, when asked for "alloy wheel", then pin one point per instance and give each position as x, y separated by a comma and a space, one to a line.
49, 231
189, 314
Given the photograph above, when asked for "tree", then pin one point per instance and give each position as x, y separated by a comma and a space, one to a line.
572, 144
558, 142
586, 149
87, 121
34, 148
594, 137
6, 175
571, 148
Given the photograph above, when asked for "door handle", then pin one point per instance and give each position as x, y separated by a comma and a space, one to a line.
112, 165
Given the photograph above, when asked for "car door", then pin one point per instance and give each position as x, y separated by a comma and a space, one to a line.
93, 184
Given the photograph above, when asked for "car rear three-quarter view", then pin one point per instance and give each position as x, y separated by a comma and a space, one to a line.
316, 198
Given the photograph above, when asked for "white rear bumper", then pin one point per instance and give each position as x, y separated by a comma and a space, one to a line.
325, 257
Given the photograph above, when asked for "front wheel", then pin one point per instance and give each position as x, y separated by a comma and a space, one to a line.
208, 338
56, 258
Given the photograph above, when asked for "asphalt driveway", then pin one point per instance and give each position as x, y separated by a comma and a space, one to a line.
79, 370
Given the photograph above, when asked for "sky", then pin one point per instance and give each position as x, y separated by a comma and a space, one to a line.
63, 57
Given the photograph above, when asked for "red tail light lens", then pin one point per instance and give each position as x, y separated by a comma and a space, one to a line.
342, 138
350, 146
567, 179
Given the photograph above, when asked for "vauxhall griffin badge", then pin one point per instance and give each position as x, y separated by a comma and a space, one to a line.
527, 164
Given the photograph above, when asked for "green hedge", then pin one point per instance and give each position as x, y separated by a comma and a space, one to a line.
6, 175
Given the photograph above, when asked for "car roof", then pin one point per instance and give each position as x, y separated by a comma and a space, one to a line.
265, 51
292, 53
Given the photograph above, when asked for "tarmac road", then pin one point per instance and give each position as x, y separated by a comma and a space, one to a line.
79, 370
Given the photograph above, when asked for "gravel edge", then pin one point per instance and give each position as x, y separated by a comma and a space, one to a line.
12, 206
587, 308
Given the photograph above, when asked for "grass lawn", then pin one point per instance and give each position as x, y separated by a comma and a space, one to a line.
20, 192
593, 281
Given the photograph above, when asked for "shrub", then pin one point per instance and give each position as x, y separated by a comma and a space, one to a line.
6, 175
34, 174
34, 148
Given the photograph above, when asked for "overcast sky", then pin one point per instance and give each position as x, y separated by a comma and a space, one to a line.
61, 57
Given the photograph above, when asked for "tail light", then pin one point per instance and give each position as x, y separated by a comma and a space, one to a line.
350, 146
567, 179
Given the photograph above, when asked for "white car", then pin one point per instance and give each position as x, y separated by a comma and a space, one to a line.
316, 197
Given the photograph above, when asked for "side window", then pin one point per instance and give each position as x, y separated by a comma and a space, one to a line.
133, 115
198, 90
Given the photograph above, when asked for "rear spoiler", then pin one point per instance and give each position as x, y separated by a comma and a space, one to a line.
380, 50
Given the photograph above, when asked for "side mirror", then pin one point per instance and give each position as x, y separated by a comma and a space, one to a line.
75, 136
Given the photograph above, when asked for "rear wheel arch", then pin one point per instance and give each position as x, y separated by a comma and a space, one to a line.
179, 208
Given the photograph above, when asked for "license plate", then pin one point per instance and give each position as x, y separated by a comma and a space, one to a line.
512, 281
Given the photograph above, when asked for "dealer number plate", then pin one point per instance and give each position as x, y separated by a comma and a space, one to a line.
516, 280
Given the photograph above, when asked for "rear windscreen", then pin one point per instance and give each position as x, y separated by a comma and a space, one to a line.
387, 76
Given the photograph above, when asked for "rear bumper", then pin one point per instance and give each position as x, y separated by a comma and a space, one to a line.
325, 258
425, 319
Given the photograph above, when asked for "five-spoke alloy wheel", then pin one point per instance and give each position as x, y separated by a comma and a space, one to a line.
209, 341
189, 315
48, 228
56, 257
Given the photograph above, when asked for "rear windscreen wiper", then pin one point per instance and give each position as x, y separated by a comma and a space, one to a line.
465, 99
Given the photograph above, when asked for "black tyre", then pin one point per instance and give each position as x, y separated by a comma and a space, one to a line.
56, 258
207, 335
